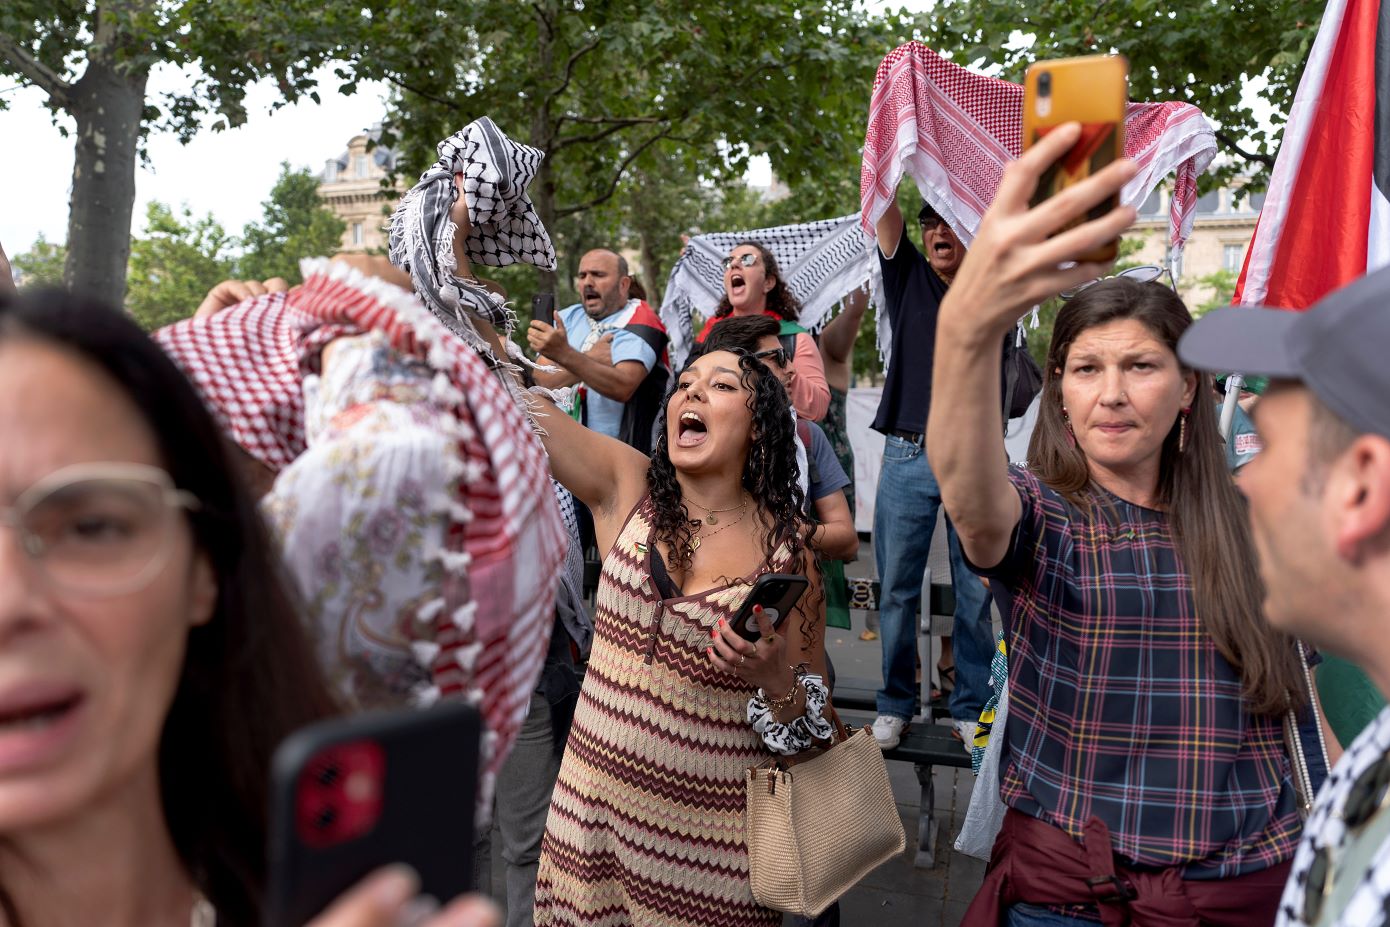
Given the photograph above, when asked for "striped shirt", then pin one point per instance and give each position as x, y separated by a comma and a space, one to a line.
1120, 705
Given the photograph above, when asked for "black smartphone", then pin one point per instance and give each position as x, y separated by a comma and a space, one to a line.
777, 593
543, 308
353, 794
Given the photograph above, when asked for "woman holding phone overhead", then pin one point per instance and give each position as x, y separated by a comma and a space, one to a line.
646, 825
1146, 774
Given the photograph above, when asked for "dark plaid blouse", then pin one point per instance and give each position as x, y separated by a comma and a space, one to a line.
1120, 705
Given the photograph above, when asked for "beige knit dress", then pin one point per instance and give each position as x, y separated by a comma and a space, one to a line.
646, 824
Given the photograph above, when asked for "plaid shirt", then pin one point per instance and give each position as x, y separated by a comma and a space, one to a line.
1120, 705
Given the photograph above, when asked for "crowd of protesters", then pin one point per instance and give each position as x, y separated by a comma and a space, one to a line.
361, 492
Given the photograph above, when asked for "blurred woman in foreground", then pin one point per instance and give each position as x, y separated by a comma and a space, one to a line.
150, 656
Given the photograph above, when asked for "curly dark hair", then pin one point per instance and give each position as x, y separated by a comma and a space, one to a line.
769, 474
780, 300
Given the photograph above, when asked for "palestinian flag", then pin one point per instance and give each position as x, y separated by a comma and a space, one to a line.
1326, 218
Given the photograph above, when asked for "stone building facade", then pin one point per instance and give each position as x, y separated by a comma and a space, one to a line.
1221, 232
351, 187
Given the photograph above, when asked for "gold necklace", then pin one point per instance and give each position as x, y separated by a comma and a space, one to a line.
695, 540
712, 515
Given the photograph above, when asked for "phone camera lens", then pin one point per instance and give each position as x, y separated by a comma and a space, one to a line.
326, 817
1044, 83
329, 774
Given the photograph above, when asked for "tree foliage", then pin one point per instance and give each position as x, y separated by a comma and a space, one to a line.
174, 265
41, 265
1200, 51
181, 257
622, 92
93, 60
295, 225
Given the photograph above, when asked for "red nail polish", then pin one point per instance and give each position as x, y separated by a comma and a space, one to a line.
757, 608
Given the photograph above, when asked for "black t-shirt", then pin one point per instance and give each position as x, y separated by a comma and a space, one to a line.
913, 293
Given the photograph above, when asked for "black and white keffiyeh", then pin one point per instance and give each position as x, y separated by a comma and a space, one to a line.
822, 262
505, 228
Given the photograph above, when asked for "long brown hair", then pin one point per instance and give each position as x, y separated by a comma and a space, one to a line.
780, 299
1206, 513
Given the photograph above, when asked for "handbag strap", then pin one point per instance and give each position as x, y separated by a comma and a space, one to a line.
842, 733
839, 736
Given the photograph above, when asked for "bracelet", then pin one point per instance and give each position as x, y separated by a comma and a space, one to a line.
775, 705
800, 733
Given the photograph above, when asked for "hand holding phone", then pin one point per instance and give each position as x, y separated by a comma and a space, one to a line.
387, 898
1093, 91
543, 308
352, 795
777, 594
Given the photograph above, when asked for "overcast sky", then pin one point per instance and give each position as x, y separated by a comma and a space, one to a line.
227, 174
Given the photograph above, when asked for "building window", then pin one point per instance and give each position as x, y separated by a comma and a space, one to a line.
359, 163
1231, 256
330, 172
357, 234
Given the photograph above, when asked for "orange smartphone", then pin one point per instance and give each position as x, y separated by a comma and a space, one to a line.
1094, 92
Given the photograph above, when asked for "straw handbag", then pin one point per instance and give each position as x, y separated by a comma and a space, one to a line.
819, 822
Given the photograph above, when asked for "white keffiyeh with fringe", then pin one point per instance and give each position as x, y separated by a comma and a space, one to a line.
821, 262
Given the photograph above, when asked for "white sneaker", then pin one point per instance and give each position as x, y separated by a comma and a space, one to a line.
966, 730
888, 730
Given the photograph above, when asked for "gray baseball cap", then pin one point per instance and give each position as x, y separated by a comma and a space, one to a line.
1339, 348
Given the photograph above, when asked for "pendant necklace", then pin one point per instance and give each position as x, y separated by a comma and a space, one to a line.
712, 515
695, 540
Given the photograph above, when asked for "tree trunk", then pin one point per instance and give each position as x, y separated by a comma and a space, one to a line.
651, 269
107, 104
542, 133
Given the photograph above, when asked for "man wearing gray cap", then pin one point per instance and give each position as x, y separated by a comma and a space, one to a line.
1320, 512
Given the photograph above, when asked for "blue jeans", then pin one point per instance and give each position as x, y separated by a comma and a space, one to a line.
1036, 915
904, 521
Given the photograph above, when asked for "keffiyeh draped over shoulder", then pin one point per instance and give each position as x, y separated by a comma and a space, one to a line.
822, 262
953, 130
410, 492
505, 228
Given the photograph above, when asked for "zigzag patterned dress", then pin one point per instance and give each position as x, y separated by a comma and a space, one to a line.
646, 823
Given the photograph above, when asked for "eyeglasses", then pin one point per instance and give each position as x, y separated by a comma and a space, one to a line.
1365, 798
931, 223
1144, 273
99, 529
748, 259
777, 355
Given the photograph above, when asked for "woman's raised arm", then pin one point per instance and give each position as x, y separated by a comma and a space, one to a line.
604, 473
1010, 267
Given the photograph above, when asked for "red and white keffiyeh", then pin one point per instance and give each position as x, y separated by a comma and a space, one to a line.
489, 606
953, 131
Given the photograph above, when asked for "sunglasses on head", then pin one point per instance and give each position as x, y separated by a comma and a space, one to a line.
777, 355
743, 260
1366, 798
1144, 273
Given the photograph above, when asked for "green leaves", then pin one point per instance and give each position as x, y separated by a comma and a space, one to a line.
295, 225
1198, 51
181, 257
176, 263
